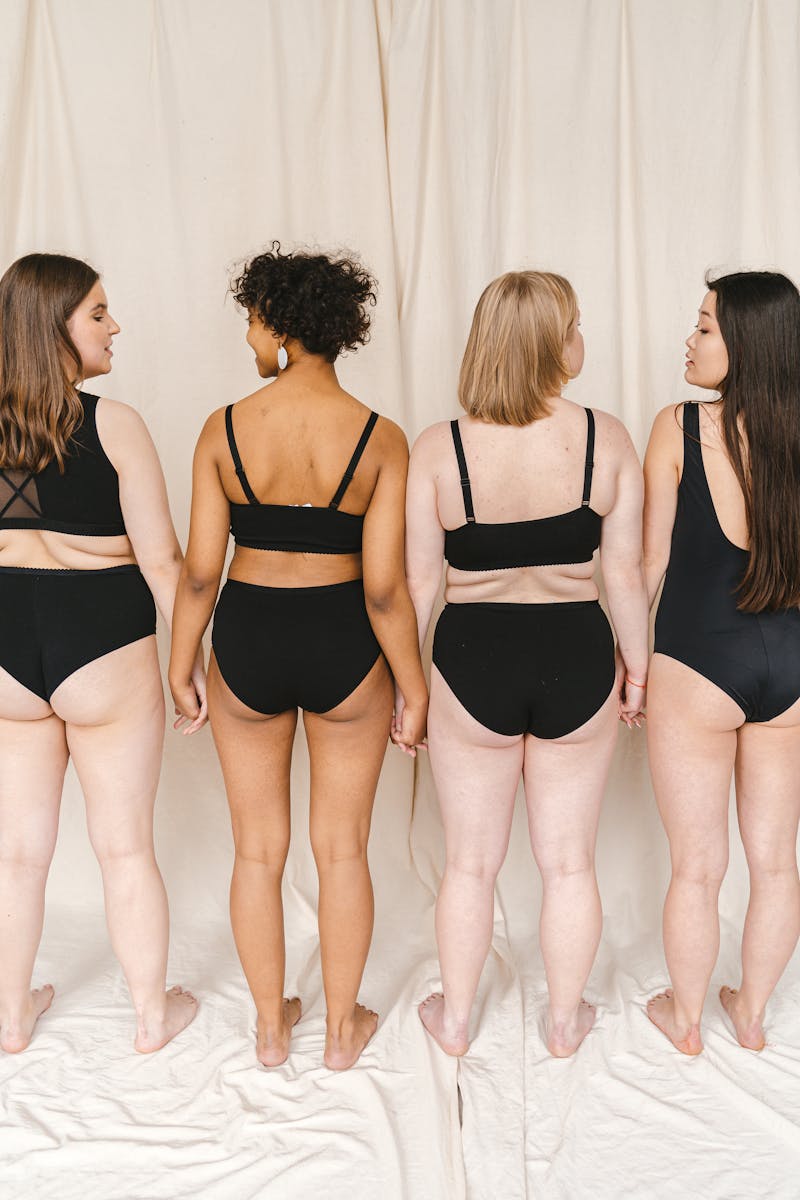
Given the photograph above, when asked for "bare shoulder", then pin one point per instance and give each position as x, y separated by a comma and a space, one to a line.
118, 418
667, 431
612, 437
123, 433
432, 443
389, 439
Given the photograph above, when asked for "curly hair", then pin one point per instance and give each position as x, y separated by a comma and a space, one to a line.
319, 299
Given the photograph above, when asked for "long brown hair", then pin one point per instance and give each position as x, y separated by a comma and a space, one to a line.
39, 407
759, 318
514, 360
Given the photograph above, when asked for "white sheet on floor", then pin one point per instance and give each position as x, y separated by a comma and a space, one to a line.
630, 145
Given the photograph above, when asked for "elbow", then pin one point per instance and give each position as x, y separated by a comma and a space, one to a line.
382, 600
165, 565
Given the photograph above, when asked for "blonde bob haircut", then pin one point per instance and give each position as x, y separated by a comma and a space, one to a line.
514, 361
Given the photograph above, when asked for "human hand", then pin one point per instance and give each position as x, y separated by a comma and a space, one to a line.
631, 695
191, 704
408, 724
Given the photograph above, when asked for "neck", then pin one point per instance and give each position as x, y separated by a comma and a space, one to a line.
310, 369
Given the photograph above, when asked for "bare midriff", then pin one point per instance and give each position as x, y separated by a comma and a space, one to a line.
522, 585
292, 568
45, 550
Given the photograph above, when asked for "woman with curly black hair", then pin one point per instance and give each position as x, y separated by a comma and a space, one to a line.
315, 615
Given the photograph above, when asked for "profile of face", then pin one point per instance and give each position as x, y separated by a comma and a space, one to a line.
265, 343
707, 357
574, 348
92, 329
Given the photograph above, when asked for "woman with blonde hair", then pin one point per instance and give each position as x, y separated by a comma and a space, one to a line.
722, 523
517, 495
86, 543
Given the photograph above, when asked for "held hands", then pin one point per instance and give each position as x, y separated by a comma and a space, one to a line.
408, 724
632, 695
191, 705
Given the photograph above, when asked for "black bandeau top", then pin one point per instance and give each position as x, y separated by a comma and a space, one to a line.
299, 527
570, 537
82, 500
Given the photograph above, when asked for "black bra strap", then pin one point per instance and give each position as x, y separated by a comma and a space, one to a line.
237, 462
18, 493
464, 473
587, 471
354, 461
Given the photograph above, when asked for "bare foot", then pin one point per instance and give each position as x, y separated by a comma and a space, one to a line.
431, 1013
564, 1039
16, 1035
343, 1049
180, 1010
661, 1011
749, 1030
272, 1044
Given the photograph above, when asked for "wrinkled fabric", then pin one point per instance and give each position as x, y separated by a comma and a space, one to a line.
628, 145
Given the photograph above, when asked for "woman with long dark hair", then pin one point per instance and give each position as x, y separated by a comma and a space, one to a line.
86, 543
315, 615
517, 496
722, 528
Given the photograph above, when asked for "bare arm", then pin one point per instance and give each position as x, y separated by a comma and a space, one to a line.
663, 464
148, 523
623, 573
202, 570
389, 606
424, 533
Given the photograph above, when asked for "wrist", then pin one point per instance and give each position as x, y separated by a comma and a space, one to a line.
639, 683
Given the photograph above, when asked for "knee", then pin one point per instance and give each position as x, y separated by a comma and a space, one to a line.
33, 858
772, 863
263, 854
565, 863
334, 849
705, 870
473, 868
113, 854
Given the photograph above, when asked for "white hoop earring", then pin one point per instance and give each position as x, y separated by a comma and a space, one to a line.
283, 358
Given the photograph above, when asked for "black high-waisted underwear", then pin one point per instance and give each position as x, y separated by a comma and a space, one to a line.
56, 621
543, 669
282, 648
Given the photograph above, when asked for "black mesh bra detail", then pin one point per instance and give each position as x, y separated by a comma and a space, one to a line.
566, 538
301, 528
82, 500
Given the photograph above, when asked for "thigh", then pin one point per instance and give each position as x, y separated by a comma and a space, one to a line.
113, 708
255, 752
768, 790
33, 758
691, 737
565, 779
476, 772
347, 746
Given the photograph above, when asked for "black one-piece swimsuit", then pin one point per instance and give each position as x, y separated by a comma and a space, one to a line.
754, 657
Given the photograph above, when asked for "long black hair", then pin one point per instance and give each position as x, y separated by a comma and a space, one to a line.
759, 318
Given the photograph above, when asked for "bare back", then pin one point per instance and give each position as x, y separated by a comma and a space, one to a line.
295, 444
522, 474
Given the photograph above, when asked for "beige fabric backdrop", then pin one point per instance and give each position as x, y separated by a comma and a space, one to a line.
629, 144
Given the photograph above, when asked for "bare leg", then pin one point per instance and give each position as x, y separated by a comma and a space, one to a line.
768, 801
347, 747
256, 753
33, 757
564, 783
114, 712
691, 737
476, 773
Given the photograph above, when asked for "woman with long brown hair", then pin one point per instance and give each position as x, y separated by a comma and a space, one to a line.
517, 496
314, 616
86, 543
722, 523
